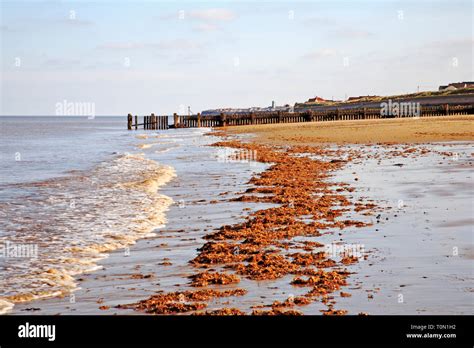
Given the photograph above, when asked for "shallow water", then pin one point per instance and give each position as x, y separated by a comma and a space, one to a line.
72, 190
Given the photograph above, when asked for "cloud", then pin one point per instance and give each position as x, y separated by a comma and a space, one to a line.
349, 33
207, 15
75, 22
62, 63
7, 29
180, 44
206, 19
212, 14
318, 54
206, 27
314, 20
177, 44
124, 46
451, 43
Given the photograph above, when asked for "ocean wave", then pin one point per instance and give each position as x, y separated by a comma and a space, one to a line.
74, 222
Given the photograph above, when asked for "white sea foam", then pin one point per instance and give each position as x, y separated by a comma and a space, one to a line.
76, 221
5, 306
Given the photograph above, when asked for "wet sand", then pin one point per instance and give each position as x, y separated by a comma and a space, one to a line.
400, 130
421, 246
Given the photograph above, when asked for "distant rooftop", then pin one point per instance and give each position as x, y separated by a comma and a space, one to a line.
457, 85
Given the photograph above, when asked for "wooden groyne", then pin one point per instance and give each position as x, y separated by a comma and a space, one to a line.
149, 122
256, 118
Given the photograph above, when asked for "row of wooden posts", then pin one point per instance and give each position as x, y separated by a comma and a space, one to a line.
253, 118
149, 122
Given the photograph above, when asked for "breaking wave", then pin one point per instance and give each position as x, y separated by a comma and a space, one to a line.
74, 222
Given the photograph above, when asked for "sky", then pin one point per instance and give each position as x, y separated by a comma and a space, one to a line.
160, 57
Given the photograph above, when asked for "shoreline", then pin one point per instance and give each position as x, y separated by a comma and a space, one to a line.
123, 181
159, 263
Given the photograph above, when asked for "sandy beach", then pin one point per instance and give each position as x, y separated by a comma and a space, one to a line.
395, 130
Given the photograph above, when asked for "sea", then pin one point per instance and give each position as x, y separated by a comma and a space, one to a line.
73, 189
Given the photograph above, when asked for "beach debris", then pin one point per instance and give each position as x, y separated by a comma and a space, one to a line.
292, 301
141, 276
349, 260
180, 301
307, 205
207, 278
276, 312
221, 311
334, 311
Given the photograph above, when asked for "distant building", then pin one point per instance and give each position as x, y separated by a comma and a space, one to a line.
362, 97
457, 85
316, 100
273, 108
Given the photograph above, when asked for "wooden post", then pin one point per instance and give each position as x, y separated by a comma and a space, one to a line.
447, 109
252, 118
129, 121
136, 122
175, 117
222, 120
199, 120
